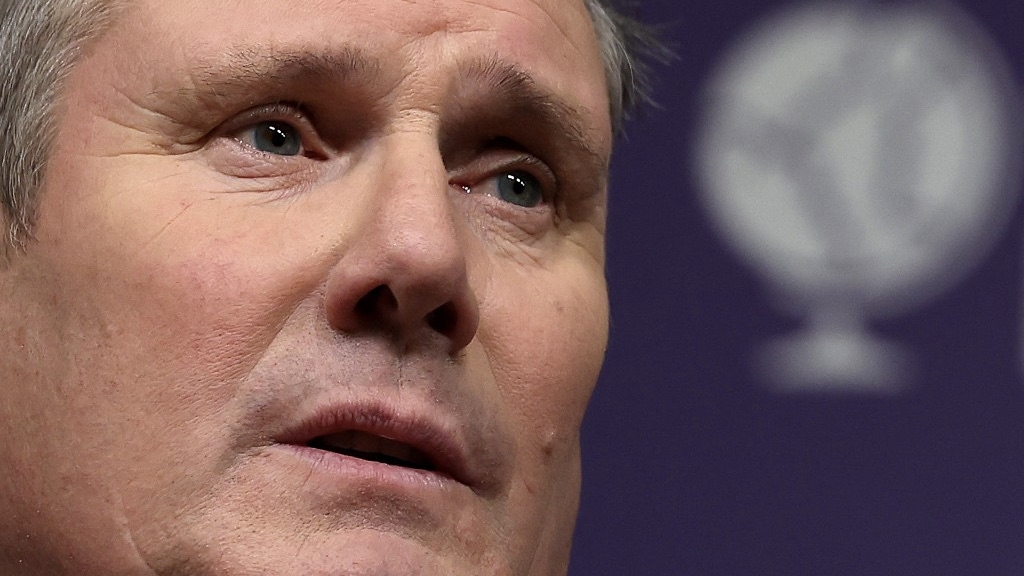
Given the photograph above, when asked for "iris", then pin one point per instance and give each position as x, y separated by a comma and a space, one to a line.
277, 138
520, 188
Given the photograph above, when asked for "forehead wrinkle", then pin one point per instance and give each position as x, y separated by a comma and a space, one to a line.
252, 68
516, 90
562, 25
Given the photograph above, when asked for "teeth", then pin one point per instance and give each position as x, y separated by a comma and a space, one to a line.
373, 447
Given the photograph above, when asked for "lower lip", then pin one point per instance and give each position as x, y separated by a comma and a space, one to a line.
349, 472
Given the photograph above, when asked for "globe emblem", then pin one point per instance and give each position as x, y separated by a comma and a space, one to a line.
861, 160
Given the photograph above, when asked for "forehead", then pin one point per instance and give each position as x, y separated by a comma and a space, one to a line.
551, 41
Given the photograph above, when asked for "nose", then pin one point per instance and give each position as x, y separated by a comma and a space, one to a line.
404, 272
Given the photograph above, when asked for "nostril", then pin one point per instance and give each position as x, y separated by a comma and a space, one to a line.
377, 301
443, 319
409, 313
380, 305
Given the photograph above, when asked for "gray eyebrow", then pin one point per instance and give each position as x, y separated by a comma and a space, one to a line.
524, 97
257, 70
506, 90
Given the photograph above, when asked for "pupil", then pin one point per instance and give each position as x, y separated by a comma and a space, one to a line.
280, 139
518, 186
277, 136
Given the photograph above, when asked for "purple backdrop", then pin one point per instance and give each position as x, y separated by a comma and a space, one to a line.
692, 466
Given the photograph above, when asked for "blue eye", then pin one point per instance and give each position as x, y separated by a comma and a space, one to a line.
520, 188
278, 138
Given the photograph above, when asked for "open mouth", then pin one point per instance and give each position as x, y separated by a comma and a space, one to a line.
373, 448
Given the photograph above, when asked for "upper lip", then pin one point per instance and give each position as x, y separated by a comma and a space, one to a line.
437, 443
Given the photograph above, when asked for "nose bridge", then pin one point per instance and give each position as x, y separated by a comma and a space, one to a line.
405, 274
414, 206
414, 210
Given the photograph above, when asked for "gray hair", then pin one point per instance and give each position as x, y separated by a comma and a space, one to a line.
627, 46
41, 39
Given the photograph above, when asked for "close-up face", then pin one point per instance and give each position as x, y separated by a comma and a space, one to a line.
313, 288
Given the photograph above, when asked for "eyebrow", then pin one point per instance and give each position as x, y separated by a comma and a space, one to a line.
256, 71
526, 100
508, 91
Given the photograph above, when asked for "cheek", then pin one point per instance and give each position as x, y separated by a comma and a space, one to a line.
197, 318
545, 333
169, 303
168, 340
176, 282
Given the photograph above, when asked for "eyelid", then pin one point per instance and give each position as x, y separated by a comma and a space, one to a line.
489, 165
291, 113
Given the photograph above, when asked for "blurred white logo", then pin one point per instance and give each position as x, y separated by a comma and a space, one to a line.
862, 160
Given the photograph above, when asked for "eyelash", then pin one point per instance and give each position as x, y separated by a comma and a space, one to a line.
521, 163
290, 114
498, 157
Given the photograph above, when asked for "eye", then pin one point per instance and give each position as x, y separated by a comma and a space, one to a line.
519, 188
506, 172
273, 137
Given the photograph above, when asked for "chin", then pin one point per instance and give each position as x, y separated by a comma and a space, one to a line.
364, 552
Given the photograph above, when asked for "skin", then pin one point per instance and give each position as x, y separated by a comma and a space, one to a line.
189, 295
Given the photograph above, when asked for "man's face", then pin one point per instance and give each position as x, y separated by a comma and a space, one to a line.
316, 288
